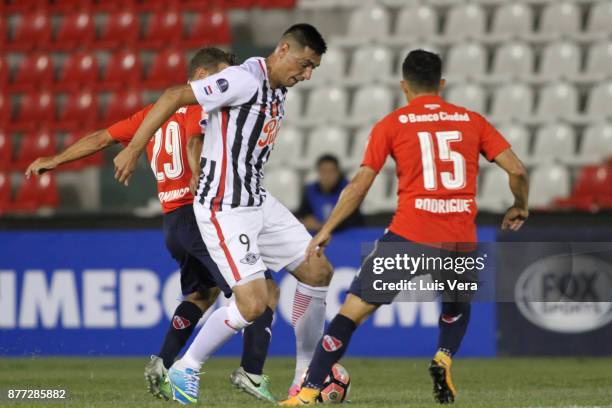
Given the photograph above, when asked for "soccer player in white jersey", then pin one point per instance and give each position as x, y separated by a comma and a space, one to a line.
245, 228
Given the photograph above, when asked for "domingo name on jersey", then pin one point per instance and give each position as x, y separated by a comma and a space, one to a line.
167, 152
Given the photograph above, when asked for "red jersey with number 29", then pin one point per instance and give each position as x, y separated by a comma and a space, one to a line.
436, 147
167, 152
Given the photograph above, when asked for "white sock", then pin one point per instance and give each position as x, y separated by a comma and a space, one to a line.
308, 320
217, 330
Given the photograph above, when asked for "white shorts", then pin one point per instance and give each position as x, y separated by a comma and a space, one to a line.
246, 240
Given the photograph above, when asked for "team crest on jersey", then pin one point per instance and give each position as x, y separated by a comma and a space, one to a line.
432, 106
250, 258
208, 90
330, 343
222, 85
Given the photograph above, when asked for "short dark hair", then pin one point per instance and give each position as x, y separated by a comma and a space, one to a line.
328, 158
423, 69
307, 36
209, 58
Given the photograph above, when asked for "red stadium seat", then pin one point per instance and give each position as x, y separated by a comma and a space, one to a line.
35, 193
3, 29
68, 6
120, 30
34, 71
122, 105
96, 159
80, 69
5, 108
20, 6
35, 110
4, 72
276, 3
164, 27
5, 192
34, 145
169, 68
592, 190
80, 109
6, 151
123, 68
32, 31
76, 30
109, 6
209, 27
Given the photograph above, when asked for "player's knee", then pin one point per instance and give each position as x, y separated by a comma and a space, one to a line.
253, 309
204, 298
318, 272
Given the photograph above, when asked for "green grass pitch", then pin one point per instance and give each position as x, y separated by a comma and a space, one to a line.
377, 383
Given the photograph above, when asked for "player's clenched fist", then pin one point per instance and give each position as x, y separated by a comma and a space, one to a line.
41, 165
125, 163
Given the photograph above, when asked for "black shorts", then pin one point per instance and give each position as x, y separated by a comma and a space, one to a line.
392, 245
198, 271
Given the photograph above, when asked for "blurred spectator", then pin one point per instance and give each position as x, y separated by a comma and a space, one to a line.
320, 197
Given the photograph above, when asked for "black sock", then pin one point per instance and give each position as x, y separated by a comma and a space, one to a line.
185, 319
256, 340
330, 350
453, 323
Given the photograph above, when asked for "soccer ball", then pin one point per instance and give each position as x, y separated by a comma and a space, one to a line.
336, 387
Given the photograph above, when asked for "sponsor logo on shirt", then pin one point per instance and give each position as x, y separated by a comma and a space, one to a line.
222, 85
435, 117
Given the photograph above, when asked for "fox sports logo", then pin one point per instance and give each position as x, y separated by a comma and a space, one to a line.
566, 293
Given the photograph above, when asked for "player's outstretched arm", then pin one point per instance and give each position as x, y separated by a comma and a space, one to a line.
519, 185
172, 99
351, 197
86, 146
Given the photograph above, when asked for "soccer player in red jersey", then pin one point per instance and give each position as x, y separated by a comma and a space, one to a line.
436, 146
174, 156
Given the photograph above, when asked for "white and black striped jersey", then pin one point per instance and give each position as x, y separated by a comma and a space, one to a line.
244, 116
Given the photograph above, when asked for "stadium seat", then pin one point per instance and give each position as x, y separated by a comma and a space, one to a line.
76, 30
599, 103
80, 69
554, 141
559, 19
511, 61
288, 147
592, 190
294, 106
511, 21
36, 109
80, 110
17, 6
494, 194
557, 100
547, 183
32, 31
168, 68
325, 140
121, 30
378, 198
599, 20
5, 192
69, 6
210, 27
4, 72
34, 71
325, 105
94, 160
6, 151
370, 104
360, 140
37, 193
33, 145
332, 71
122, 105
469, 96
415, 22
519, 138
4, 32
370, 64
123, 69
596, 144
285, 185
560, 60
5, 108
368, 22
466, 61
598, 63
512, 101
464, 21
164, 27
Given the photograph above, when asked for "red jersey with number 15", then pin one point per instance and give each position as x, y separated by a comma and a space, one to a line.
436, 147
167, 152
